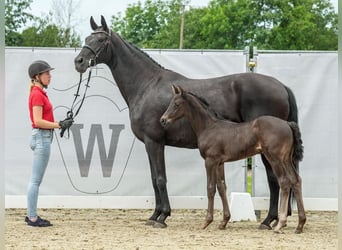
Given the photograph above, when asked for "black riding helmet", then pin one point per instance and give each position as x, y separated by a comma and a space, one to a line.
38, 67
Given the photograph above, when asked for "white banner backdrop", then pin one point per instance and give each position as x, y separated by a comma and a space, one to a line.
313, 78
102, 157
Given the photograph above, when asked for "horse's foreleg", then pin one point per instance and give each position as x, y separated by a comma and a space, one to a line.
297, 190
211, 190
162, 210
222, 188
157, 211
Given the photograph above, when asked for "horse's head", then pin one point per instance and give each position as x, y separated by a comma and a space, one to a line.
176, 107
96, 48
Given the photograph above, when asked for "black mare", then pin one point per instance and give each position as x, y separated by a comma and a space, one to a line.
145, 86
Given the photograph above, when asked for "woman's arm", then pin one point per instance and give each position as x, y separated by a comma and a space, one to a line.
38, 119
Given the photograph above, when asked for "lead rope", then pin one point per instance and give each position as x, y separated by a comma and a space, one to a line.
70, 114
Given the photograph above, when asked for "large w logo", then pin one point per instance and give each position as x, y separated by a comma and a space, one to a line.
96, 132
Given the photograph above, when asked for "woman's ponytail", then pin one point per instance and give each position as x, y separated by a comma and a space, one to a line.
31, 85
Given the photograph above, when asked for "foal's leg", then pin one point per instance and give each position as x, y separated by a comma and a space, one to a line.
222, 188
274, 196
297, 190
211, 189
285, 194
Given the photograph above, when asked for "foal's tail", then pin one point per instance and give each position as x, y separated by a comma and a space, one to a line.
298, 148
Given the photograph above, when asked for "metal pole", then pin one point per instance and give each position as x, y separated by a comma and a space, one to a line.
340, 132
2, 126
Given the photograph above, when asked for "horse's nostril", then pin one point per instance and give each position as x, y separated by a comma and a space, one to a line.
79, 59
163, 121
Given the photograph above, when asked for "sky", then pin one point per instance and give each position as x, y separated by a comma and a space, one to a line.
107, 8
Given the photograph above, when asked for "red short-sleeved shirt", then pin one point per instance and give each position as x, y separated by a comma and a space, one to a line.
38, 97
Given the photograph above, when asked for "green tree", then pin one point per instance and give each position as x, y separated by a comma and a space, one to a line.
228, 24
16, 17
143, 22
168, 36
295, 25
43, 33
63, 14
232, 24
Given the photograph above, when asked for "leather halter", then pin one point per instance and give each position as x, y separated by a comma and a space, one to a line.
92, 63
97, 52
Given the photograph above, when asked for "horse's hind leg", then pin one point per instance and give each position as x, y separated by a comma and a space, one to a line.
222, 188
211, 189
285, 195
274, 196
297, 190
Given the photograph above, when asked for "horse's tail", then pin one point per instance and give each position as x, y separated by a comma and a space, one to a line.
298, 148
293, 113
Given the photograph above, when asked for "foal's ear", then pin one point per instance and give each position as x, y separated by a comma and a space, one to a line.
104, 24
93, 25
180, 90
177, 90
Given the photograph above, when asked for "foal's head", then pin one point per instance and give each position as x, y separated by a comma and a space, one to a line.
176, 107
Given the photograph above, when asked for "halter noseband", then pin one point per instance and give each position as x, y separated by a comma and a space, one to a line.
92, 61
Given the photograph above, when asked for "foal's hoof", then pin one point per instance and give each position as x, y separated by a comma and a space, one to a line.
150, 222
223, 224
275, 223
278, 231
264, 227
206, 224
158, 224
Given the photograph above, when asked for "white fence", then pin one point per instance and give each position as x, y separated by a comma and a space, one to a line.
112, 170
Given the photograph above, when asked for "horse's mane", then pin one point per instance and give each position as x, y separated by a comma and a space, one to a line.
137, 48
206, 105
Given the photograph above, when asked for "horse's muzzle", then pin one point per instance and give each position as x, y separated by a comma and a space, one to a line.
164, 121
80, 64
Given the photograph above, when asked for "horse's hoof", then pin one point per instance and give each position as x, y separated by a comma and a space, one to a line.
206, 224
150, 222
275, 223
223, 224
158, 224
298, 231
264, 227
278, 231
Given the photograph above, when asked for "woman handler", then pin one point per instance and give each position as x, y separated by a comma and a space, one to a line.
43, 124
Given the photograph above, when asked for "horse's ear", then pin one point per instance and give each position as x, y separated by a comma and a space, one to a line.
104, 24
93, 25
177, 90
174, 89
180, 91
